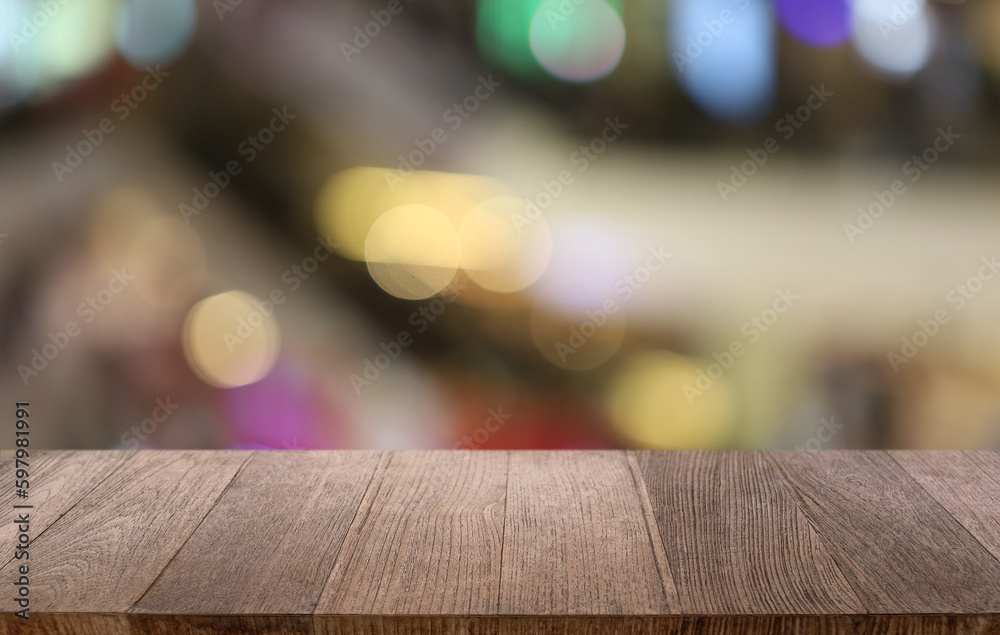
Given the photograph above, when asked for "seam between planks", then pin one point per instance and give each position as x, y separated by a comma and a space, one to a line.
79, 500
943, 508
383, 456
794, 494
653, 533
183, 544
503, 531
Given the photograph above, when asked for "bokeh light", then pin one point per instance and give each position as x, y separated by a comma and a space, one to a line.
581, 344
502, 29
351, 201
47, 45
652, 403
589, 256
577, 41
153, 32
231, 339
893, 40
281, 411
816, 23
10, 15
502, 249
13, 54
412, 251
723, 55
77, 39
613, 133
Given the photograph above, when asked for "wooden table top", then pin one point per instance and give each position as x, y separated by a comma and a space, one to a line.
507, 542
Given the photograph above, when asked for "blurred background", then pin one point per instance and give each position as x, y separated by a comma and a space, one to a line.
501, 224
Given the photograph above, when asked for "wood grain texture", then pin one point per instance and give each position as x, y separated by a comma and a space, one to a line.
126, 624
967, 484
750, 625
405, 625
147, 624
121, 624
736, 540
58, 481
66, 624
106, 551
576, 539
513, 543
426, 540
286, 516
662, 625
899, 549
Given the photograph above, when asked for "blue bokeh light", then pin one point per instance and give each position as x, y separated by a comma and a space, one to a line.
723, 54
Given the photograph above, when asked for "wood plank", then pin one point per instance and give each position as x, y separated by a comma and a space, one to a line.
106, 551
736, 541
899, 549
65, 624
406, 625
150, 624
121, 624
427, 539
135, 624
58, 480
140, 624
519, 543
576, 539
269, 544
749, 625
967, 484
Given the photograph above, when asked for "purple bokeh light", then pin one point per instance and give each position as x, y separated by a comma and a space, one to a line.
279, 411
816, 23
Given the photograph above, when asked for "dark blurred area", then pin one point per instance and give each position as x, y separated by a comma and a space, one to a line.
501, 224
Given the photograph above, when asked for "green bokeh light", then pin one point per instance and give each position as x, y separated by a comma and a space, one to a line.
504, 27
